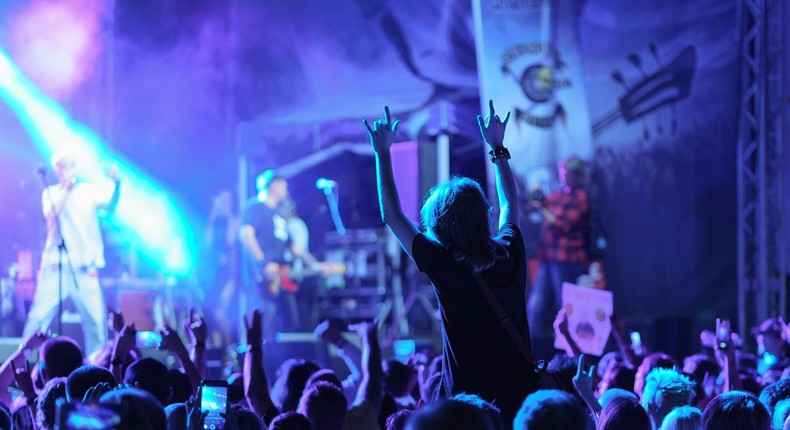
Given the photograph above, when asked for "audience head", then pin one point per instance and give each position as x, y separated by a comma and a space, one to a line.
550, 410
571, 171
139, 409
325, 405
290, 421
448, 414
59, 357
781, 412
149, 375
290, 381
683, 418
327, 375
697, 366
47, 403
457, 214
736, 410
176, 414
84, 378
773, 393
618, 375
665, 390
564, 364
770, 335
399, 378
652, 361
624, 413
247, 419
492, 411
615, 393
182, 387
397, 421
607, 360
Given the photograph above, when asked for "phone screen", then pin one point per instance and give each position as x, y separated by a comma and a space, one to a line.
148, 339
723, 333
214, 400
636, 342
78, 415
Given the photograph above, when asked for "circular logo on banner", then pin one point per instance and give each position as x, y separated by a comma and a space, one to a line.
536, 82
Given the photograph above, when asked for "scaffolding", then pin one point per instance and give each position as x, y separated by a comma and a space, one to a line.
761, 224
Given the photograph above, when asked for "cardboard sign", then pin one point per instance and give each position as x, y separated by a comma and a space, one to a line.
588, 311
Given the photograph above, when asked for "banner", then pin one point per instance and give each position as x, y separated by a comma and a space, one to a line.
529, 64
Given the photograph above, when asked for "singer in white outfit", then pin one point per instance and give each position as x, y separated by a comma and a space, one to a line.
73, 205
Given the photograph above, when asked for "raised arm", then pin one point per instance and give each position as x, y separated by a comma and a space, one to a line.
371, 388
382, 135
256, 386
493, 130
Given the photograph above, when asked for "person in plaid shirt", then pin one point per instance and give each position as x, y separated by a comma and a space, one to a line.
562, 251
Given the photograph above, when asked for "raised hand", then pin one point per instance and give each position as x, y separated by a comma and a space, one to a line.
492, 127
126, 341
329, 331
382, 133
195, 417
170, 340
94, 393
254, 328
23, 380
583, 381
195, 327
561, 323
115, 320
362, 328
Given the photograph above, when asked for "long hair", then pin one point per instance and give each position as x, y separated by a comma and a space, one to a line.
457, 215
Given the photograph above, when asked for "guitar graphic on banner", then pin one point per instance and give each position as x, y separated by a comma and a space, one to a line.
666, 86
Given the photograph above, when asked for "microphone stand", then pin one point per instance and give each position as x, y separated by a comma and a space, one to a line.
62, 250
331, 199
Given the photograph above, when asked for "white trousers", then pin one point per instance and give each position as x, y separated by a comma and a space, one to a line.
87, 297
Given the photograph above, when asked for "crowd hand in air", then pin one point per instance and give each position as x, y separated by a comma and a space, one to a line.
382, 132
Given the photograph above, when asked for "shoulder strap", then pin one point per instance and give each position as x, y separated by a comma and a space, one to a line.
503, 318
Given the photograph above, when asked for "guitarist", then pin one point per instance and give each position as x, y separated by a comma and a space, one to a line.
267, 250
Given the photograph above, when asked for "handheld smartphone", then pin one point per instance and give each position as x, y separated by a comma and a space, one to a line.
214, 400
722, 333
78, 415
404, 348
148, 339
636, 342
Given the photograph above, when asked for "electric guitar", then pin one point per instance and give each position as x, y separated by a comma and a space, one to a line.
287, 278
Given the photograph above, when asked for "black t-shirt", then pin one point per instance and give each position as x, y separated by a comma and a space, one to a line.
480, 357
271, 230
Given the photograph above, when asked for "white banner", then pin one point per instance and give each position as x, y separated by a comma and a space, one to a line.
529, 64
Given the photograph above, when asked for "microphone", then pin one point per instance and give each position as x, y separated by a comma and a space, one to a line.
324, 183
42, 171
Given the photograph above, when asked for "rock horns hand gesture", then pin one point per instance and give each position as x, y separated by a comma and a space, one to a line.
382, 133
492, 127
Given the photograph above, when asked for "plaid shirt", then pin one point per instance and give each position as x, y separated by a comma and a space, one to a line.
564, 240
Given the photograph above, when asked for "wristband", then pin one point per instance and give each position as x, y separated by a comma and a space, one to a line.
499, 152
